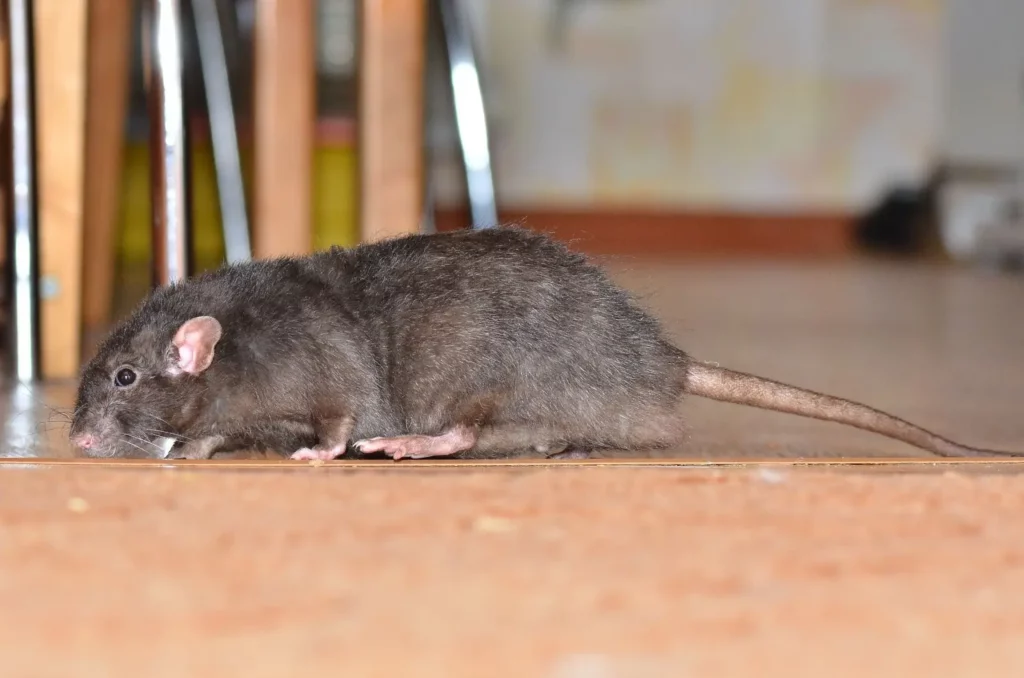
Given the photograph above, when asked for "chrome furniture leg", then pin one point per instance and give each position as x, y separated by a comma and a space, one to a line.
470, 115
23, 254
168, 144
223, 132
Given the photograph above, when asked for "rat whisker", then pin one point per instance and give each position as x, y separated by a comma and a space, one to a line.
138, 447
123, 404
59, 420
128, 408
150, 414
142, 440
53, 410
48, 426
169, 434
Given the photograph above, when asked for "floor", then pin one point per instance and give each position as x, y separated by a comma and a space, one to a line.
637, 568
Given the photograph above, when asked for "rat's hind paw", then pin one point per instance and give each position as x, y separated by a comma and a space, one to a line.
413, 447
323, 454
452, 442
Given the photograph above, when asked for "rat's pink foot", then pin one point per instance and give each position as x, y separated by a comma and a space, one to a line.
452, 442
321, 453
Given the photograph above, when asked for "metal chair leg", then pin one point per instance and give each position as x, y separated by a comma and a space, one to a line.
24, 253
170, 194
223, 133
470, 115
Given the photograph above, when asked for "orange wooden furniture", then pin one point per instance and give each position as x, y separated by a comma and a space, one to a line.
390, 128
82, 49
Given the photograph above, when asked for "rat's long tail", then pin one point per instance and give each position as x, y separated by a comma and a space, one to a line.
718, 383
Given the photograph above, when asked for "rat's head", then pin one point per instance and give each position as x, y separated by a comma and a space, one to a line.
145, 383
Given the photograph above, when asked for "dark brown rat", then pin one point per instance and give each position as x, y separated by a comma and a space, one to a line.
477, 343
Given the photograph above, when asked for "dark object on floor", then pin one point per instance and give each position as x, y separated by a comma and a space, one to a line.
485, 343
904, 222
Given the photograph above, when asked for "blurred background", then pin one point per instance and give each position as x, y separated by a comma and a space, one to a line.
809, 129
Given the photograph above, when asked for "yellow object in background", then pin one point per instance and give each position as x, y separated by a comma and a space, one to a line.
335, 197
334, 204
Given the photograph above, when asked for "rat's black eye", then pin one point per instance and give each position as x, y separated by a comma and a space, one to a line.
124, 377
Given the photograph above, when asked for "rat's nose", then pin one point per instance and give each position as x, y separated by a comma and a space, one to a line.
84, 440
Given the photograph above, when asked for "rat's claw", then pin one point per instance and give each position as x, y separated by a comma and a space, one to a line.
371, 445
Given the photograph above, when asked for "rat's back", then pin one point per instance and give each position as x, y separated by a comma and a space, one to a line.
508, 326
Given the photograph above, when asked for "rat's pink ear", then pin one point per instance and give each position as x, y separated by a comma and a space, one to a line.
195, 341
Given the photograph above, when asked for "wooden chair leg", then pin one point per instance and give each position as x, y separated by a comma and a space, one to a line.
285, 124
392, 56
108, 50
60, 38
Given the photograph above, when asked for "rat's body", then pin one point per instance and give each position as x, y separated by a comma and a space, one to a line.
479, 343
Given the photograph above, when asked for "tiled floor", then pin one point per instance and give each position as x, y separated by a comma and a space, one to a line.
222, 570
939, 346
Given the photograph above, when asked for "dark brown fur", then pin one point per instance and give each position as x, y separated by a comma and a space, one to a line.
503, 331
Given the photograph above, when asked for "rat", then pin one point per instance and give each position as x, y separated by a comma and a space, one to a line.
479, 344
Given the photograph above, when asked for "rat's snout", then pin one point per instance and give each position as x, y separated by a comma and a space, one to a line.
86, 441
86, 435
91, 442
90, 430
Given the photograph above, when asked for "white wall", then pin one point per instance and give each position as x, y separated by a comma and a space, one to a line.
983, 107
734, 104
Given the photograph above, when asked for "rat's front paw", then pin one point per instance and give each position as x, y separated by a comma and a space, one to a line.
318, 453
202, 448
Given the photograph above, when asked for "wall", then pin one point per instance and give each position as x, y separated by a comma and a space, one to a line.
781, 105
983, 102
983, 117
